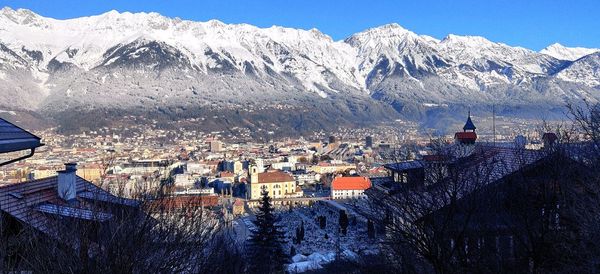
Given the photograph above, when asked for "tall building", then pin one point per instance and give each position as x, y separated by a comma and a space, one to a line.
332, 139
368, 141
216, 146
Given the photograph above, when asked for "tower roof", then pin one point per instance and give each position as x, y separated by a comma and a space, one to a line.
469, 124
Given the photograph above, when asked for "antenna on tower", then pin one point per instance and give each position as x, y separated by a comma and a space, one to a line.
494, 122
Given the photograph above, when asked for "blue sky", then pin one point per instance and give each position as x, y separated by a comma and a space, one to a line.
532, 24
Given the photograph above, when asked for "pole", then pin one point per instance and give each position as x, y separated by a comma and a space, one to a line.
494, 122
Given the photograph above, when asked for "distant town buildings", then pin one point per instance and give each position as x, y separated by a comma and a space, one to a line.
336, 167
216, 146
369, 141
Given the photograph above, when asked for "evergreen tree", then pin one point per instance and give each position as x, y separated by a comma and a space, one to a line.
371, 229
299, 233
267, 241
322, 222
302, 231
343, 222
297, 239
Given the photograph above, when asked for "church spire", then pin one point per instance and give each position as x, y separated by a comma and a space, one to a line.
469, 126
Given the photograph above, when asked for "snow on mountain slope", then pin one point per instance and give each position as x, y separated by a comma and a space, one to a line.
561, 52
473, 49
309, 56
585, 70
391, 50
155, 61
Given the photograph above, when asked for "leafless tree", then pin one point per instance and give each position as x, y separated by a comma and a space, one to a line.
161, 235
424, 224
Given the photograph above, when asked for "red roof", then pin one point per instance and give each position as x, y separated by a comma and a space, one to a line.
226, 174
274, 177
238, 202
350, 183
465, 136
181, 202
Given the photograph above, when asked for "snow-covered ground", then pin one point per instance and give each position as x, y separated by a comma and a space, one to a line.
353, 245
319, 246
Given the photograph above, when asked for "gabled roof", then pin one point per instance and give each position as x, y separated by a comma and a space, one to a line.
350, 183
14, 138
274, 177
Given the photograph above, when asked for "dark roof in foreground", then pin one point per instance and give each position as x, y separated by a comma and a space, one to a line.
36, 203
14, 138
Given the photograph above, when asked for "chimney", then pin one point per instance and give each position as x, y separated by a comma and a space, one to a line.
67, 182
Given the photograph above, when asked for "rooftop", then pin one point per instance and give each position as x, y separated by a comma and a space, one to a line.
350, 183
274, 177
14, 138
36, 202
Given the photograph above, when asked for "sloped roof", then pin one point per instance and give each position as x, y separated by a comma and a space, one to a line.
466, 136
406, 165
33, 202
14, 138
80, 213
350, 183
181, 202
274, 177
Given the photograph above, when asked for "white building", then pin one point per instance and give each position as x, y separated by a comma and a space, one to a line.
349, 187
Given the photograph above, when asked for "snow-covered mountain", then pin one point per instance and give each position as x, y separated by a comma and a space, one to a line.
585, 70
145, 62
561, 52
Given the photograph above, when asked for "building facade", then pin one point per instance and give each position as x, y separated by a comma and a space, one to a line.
277, 183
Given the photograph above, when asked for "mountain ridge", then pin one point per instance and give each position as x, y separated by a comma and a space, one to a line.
153, 62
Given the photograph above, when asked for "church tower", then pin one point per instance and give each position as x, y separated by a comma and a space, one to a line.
468, 135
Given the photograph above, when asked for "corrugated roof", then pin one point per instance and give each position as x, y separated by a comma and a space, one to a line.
14, 138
